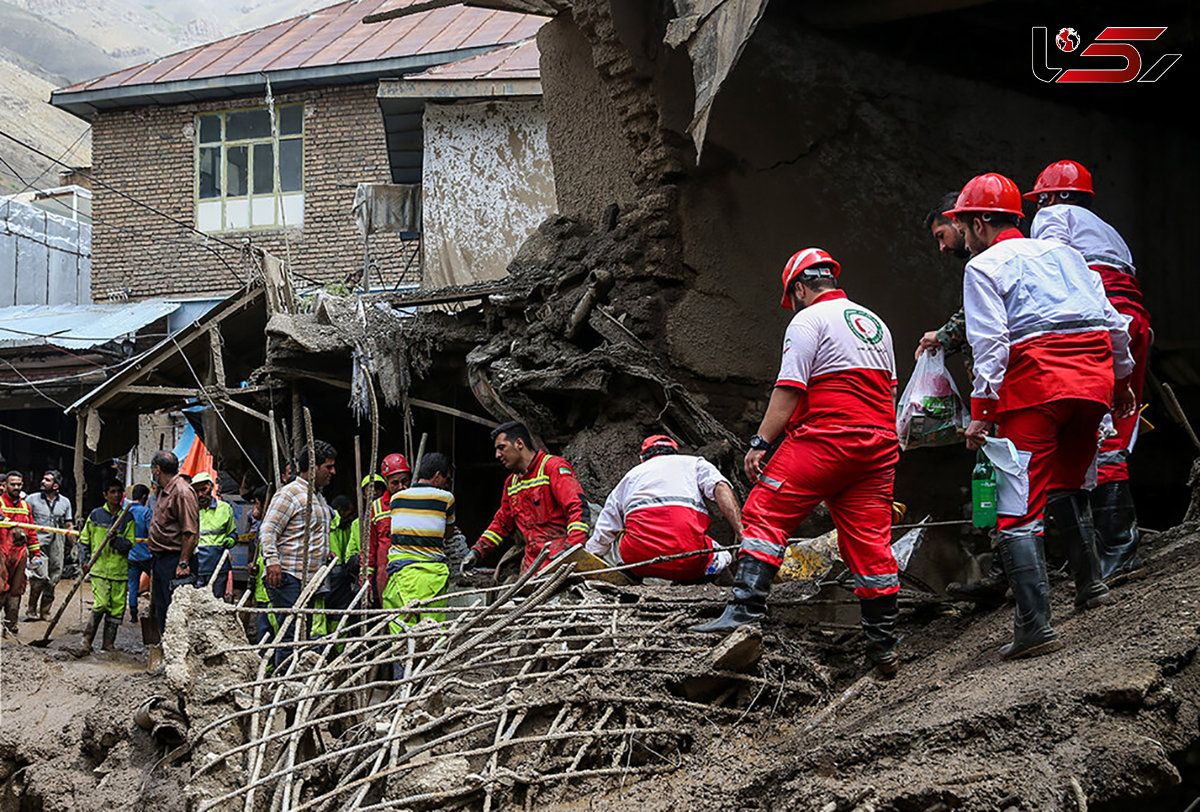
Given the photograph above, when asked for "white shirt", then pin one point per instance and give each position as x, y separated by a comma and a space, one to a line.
678, 480
1084, 231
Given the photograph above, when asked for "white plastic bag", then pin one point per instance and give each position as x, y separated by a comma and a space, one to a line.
930, 411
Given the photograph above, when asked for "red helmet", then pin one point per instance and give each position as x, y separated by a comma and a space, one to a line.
1062, 176
658, 441
394, 464
990, 192
800, 261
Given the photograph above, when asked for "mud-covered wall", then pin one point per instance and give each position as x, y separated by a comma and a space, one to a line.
489, 159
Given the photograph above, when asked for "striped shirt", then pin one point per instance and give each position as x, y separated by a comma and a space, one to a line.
282, 535
420, 516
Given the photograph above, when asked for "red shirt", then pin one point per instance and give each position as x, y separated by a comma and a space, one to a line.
17, 511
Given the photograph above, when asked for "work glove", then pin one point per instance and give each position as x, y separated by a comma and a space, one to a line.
18, 536
471, 561
353, 563
229, 542
122, 545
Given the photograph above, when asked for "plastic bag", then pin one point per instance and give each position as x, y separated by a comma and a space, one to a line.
930, 410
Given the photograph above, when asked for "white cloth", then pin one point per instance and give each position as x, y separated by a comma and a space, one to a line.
834, 335
668, 479
1084, 231
1019, 289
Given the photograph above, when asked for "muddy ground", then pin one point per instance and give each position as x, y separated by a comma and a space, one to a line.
1110, 722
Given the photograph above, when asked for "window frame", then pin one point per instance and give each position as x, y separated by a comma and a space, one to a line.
278, 196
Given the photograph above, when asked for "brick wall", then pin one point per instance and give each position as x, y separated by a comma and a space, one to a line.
148, 153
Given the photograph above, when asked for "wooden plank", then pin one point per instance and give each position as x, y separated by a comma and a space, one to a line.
218, 358
450, 410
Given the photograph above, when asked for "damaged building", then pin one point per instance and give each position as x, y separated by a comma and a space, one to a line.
690, 148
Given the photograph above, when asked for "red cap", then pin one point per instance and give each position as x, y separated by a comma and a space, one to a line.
800, 261
658, 441
990, 192
394, 464
1062, 176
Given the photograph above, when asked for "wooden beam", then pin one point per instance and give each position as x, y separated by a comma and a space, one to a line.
165, 391
242, 408
218, 359
450, 410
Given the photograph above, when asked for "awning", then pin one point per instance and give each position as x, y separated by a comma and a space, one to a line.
77, 327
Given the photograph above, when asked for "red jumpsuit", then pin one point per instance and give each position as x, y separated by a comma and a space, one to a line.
840, 447
1047, 344
379, 539
1107, 254
545, 504
13, 555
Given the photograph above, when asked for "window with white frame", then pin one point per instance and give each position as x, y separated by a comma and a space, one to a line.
246, 175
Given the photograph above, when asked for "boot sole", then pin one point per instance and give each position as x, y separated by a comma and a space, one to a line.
1033, 651
1092, 603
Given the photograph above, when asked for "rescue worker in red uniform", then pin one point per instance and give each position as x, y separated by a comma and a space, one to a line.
397, 475
542, 499
1063, 193
16, 547
1049, 351
831, 421
658, 509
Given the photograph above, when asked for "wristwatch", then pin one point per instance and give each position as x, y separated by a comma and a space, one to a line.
760, 443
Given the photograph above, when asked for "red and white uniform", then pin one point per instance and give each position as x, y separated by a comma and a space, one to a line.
545, 504
379, 540
1047, 344
840, 446
658, 509
1107, 254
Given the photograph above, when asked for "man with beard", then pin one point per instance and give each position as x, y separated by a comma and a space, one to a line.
49, 509
951, 336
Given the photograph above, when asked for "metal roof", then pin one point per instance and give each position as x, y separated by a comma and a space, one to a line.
77, 327
328, 46
518, 61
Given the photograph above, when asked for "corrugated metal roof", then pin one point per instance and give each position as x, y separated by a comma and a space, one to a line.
331, 36
518, 61
77, 327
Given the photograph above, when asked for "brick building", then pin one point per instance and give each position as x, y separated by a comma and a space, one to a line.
267, 136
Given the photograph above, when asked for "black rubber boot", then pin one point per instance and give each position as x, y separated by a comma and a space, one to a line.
89, 633
1025, 563
35, 596
1117, 534
1069, 515
47, 601
879, 616
748, 604
12, 608
111, 624
987, 591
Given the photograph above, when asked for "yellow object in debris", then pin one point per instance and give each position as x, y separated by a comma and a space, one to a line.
587, 563
1144, 425
809, 559
899, 509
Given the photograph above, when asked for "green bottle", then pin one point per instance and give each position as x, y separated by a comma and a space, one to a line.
983, 492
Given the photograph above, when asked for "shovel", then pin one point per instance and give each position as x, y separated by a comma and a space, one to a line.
112, 531
152, 639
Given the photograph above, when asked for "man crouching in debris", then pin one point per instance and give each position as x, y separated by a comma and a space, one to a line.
542, 499
1048, 348
831, 421
657, 509
291, 552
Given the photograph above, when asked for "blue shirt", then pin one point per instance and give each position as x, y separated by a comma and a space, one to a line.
141, 531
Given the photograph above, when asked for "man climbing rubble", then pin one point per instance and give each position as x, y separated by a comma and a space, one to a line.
17, 546
107, 565
218, 533
292, 552
1047, 345
48, 508
831, 423
397, 475
1063, 193
658, 509
542, 499
422, 523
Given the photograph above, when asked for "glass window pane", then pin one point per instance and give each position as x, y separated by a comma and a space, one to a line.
210, 129
247, 124
291, 119
291, 165
236, 164
264, 169
210, 172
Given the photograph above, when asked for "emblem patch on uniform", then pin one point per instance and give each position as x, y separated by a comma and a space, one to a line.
864, 326
564, 470
787, 345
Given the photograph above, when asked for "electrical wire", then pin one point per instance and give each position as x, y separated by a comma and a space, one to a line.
30, 184
96, 220
33, 436
32, 385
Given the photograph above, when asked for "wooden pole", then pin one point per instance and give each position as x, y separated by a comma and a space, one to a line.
274, 484
358, 477
80, 442
302, 632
